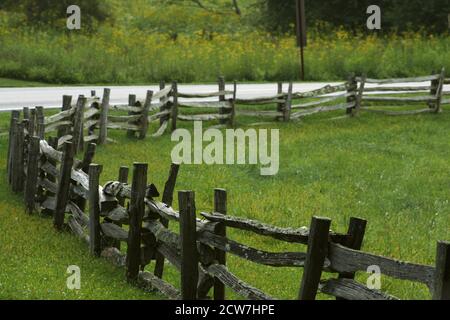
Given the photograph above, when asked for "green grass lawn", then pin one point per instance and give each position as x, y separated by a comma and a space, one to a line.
392, 171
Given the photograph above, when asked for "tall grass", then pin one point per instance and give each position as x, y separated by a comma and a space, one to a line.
132, 55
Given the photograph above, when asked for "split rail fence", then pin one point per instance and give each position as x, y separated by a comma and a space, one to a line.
89, 119
54, 182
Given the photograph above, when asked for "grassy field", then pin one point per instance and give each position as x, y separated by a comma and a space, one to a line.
392, 171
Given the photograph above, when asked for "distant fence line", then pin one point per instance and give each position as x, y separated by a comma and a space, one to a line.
89, 118
56, 183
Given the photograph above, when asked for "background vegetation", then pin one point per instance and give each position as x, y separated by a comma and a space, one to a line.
194, 41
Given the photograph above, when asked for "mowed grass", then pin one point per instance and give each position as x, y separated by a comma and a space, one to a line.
392, 171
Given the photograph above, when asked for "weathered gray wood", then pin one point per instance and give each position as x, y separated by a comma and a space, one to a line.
127, 107
14, 117
90, 113
62, 196
315, 258
352, 87
150, 282
63, 116
240, 287
371, 98
167, 198
123, 178
136, 213
66, 106
274, 259
225, 105
398, 113
55, 126
77, 214
124, 126
32, 175
114, 256
18, 176
321, 91
95, 246
220, 206
132, 101
356, 231
103, 132
189, 254
440, 89
396, 89
77, 132
348, 289
203, 117
48, 185
402, 80
260, 101
309, 112
77, 229
144, 115
113, 231
162, 129
344, 259
441, 287
205, 95
300, 235
132, 118
360, 95
322, 101
254, 113
288, 104
162, 95
280, 106
174, 116
231, 121
164, 91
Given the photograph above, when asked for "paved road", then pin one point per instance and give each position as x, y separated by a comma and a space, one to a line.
51, 97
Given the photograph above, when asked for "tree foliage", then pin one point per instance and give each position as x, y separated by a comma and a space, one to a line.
400, 15
54, 12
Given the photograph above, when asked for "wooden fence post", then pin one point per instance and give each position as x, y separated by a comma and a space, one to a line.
66, 105
167, 198
352, 87
78, 129
123, 178
189, 254
439, 91
442, 273
131, 103
221, 85
15, 115
360, 96
280, 106
18, 158
233, 105
62, 195
95, 244
136, 213
88, 157
356, 232
175, 105
144, 116
220, 206
288, 104
315, 257
32, 175
103, 131
32, 123
162, 85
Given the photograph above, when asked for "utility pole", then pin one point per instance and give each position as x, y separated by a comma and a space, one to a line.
301, 34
